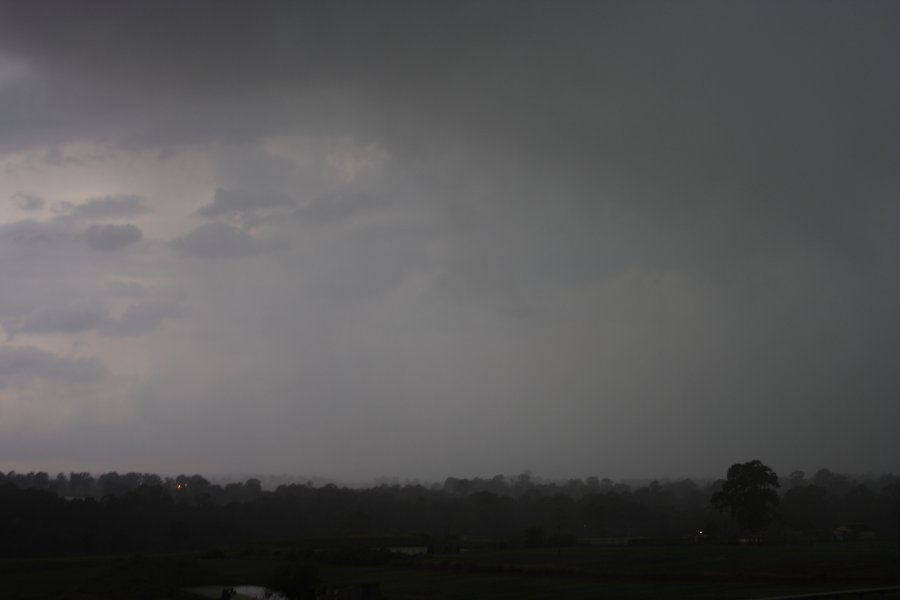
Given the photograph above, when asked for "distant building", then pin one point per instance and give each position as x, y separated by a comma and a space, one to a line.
847, 533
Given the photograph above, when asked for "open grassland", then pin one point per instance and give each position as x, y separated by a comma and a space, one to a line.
686, 571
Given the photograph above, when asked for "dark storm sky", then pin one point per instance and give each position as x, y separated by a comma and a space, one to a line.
430, 238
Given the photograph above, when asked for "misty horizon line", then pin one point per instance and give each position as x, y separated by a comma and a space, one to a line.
270, 481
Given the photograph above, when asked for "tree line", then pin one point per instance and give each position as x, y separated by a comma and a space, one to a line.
133, 512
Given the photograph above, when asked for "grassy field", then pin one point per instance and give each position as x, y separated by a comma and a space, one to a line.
630, 572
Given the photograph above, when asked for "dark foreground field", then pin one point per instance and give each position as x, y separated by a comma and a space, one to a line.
686, 571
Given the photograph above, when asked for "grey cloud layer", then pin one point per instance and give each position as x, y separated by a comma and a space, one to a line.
55, 274
141, 318
81, 316
109, 238
500, 227
49, 234
220, 241
119, 206
127, 289
233, 202
28, 202
72, 318
682, 120
18, 363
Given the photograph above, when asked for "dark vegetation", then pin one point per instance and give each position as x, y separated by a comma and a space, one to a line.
139, 536
750, 494
515, 573
140, 513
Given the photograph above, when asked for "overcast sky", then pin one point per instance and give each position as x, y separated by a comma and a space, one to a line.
625, 239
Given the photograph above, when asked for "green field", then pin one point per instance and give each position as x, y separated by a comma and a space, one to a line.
686, 571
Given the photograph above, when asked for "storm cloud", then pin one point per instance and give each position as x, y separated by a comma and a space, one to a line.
109, 238
69, 318
613, 238
119, 206
219, 241
28, 202
233, 202
25, 363
141, 318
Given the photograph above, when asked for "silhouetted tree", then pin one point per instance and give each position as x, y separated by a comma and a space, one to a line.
82, 515
749, 494
806, 507
836, 484
797, 478
859, 503
81, 484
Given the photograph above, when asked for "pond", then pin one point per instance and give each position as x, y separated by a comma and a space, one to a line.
258, 592
244, 592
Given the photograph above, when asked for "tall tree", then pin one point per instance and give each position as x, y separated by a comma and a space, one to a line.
749, 494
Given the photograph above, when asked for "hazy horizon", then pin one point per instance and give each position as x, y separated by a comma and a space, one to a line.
271, 481
372, 480
422, 239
